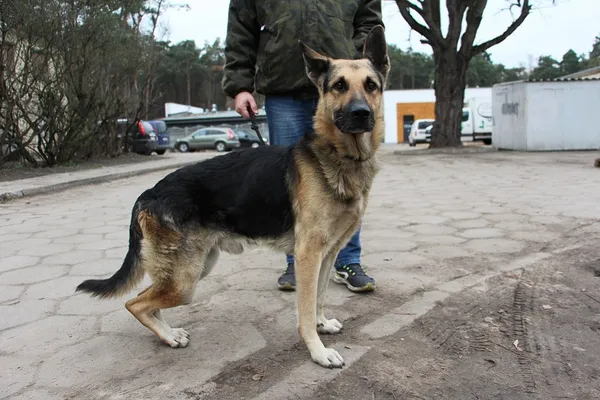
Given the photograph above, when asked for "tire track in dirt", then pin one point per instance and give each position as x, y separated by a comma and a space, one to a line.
522, 304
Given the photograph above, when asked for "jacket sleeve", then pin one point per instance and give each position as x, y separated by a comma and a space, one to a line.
241, 46
367, 16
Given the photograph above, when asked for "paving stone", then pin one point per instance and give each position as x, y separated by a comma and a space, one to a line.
103, 229
443, 252
425, 219
84, 304
535, 236
58, 331
99, 267
8, 293
461, 215
55, 233
431, 229
392, 260
46, 249
37, 394
98, 360
101, 245
14, 237
439, 239
504, 217
482, 233
118, 252
30, 275
16, 374
495, 245
6, 246
384, 245
53, 289
21, 312
79, 238
241, 305
73, 257
16, 262
470, 223
81, 225
518, 226
404, 315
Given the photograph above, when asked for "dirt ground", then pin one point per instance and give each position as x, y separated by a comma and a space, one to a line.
534, 335
16, 172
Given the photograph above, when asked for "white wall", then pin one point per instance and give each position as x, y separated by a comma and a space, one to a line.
509, 106
542, 116
392, 97
563, 115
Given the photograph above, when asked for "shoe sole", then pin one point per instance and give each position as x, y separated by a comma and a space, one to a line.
287, 287
369, 287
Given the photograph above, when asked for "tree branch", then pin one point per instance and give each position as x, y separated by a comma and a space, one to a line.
456, 10
431, 33
474, 17
525, 9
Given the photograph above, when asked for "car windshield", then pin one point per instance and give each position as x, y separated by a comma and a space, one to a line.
424, 124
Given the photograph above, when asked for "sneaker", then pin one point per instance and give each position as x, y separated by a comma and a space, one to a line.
354, 277
287, 281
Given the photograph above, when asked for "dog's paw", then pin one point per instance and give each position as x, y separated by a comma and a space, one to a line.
329, 326
329, 358
179, 338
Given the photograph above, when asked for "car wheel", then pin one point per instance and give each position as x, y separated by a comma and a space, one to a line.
160, 152
220, 146
255, 145
183, 147
487, 141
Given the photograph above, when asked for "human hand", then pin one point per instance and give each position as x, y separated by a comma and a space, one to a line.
243, 101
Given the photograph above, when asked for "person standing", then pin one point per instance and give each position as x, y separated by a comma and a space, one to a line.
262, 54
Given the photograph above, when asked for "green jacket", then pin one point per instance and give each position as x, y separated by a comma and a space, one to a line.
262, 51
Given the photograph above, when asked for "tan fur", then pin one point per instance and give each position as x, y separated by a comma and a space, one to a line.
329, 197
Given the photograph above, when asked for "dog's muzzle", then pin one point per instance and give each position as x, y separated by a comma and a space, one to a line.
355, 118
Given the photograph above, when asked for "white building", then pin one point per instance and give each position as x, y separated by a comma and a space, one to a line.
559, 114
402, 107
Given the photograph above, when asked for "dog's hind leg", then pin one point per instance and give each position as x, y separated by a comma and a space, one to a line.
174, 285
325, 325
309, 256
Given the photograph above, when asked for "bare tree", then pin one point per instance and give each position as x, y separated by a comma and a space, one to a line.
453, 51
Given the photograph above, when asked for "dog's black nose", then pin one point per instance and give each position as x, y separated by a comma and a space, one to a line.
360, 111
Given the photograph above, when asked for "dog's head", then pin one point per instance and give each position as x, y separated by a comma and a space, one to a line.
351, 93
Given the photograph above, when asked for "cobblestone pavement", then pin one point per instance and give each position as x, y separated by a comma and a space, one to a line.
435, 225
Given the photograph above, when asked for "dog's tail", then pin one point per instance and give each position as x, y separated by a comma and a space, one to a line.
131, 271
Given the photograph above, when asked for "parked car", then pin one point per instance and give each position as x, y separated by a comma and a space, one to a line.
221, 139
162, 136
250, 139
144, 138
418, 132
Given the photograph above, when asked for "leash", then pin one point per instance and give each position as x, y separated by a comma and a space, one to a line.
254, 127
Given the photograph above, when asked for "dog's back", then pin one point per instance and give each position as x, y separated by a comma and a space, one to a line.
245, 192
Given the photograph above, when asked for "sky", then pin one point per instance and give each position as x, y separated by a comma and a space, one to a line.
548, 30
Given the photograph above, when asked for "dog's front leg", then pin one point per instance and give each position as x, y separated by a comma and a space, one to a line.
325, 325
309, 256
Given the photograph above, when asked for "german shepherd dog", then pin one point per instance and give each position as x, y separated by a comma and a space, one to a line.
306, 199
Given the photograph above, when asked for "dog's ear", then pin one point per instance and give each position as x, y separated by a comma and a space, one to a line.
375, 50
316, 64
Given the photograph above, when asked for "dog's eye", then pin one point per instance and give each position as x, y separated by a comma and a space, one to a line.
371, 86
340, 86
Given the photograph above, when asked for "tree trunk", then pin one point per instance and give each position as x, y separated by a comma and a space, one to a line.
449, 86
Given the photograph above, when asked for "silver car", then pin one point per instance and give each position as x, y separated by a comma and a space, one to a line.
220, 139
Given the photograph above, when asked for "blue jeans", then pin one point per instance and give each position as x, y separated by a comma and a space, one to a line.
289, 119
